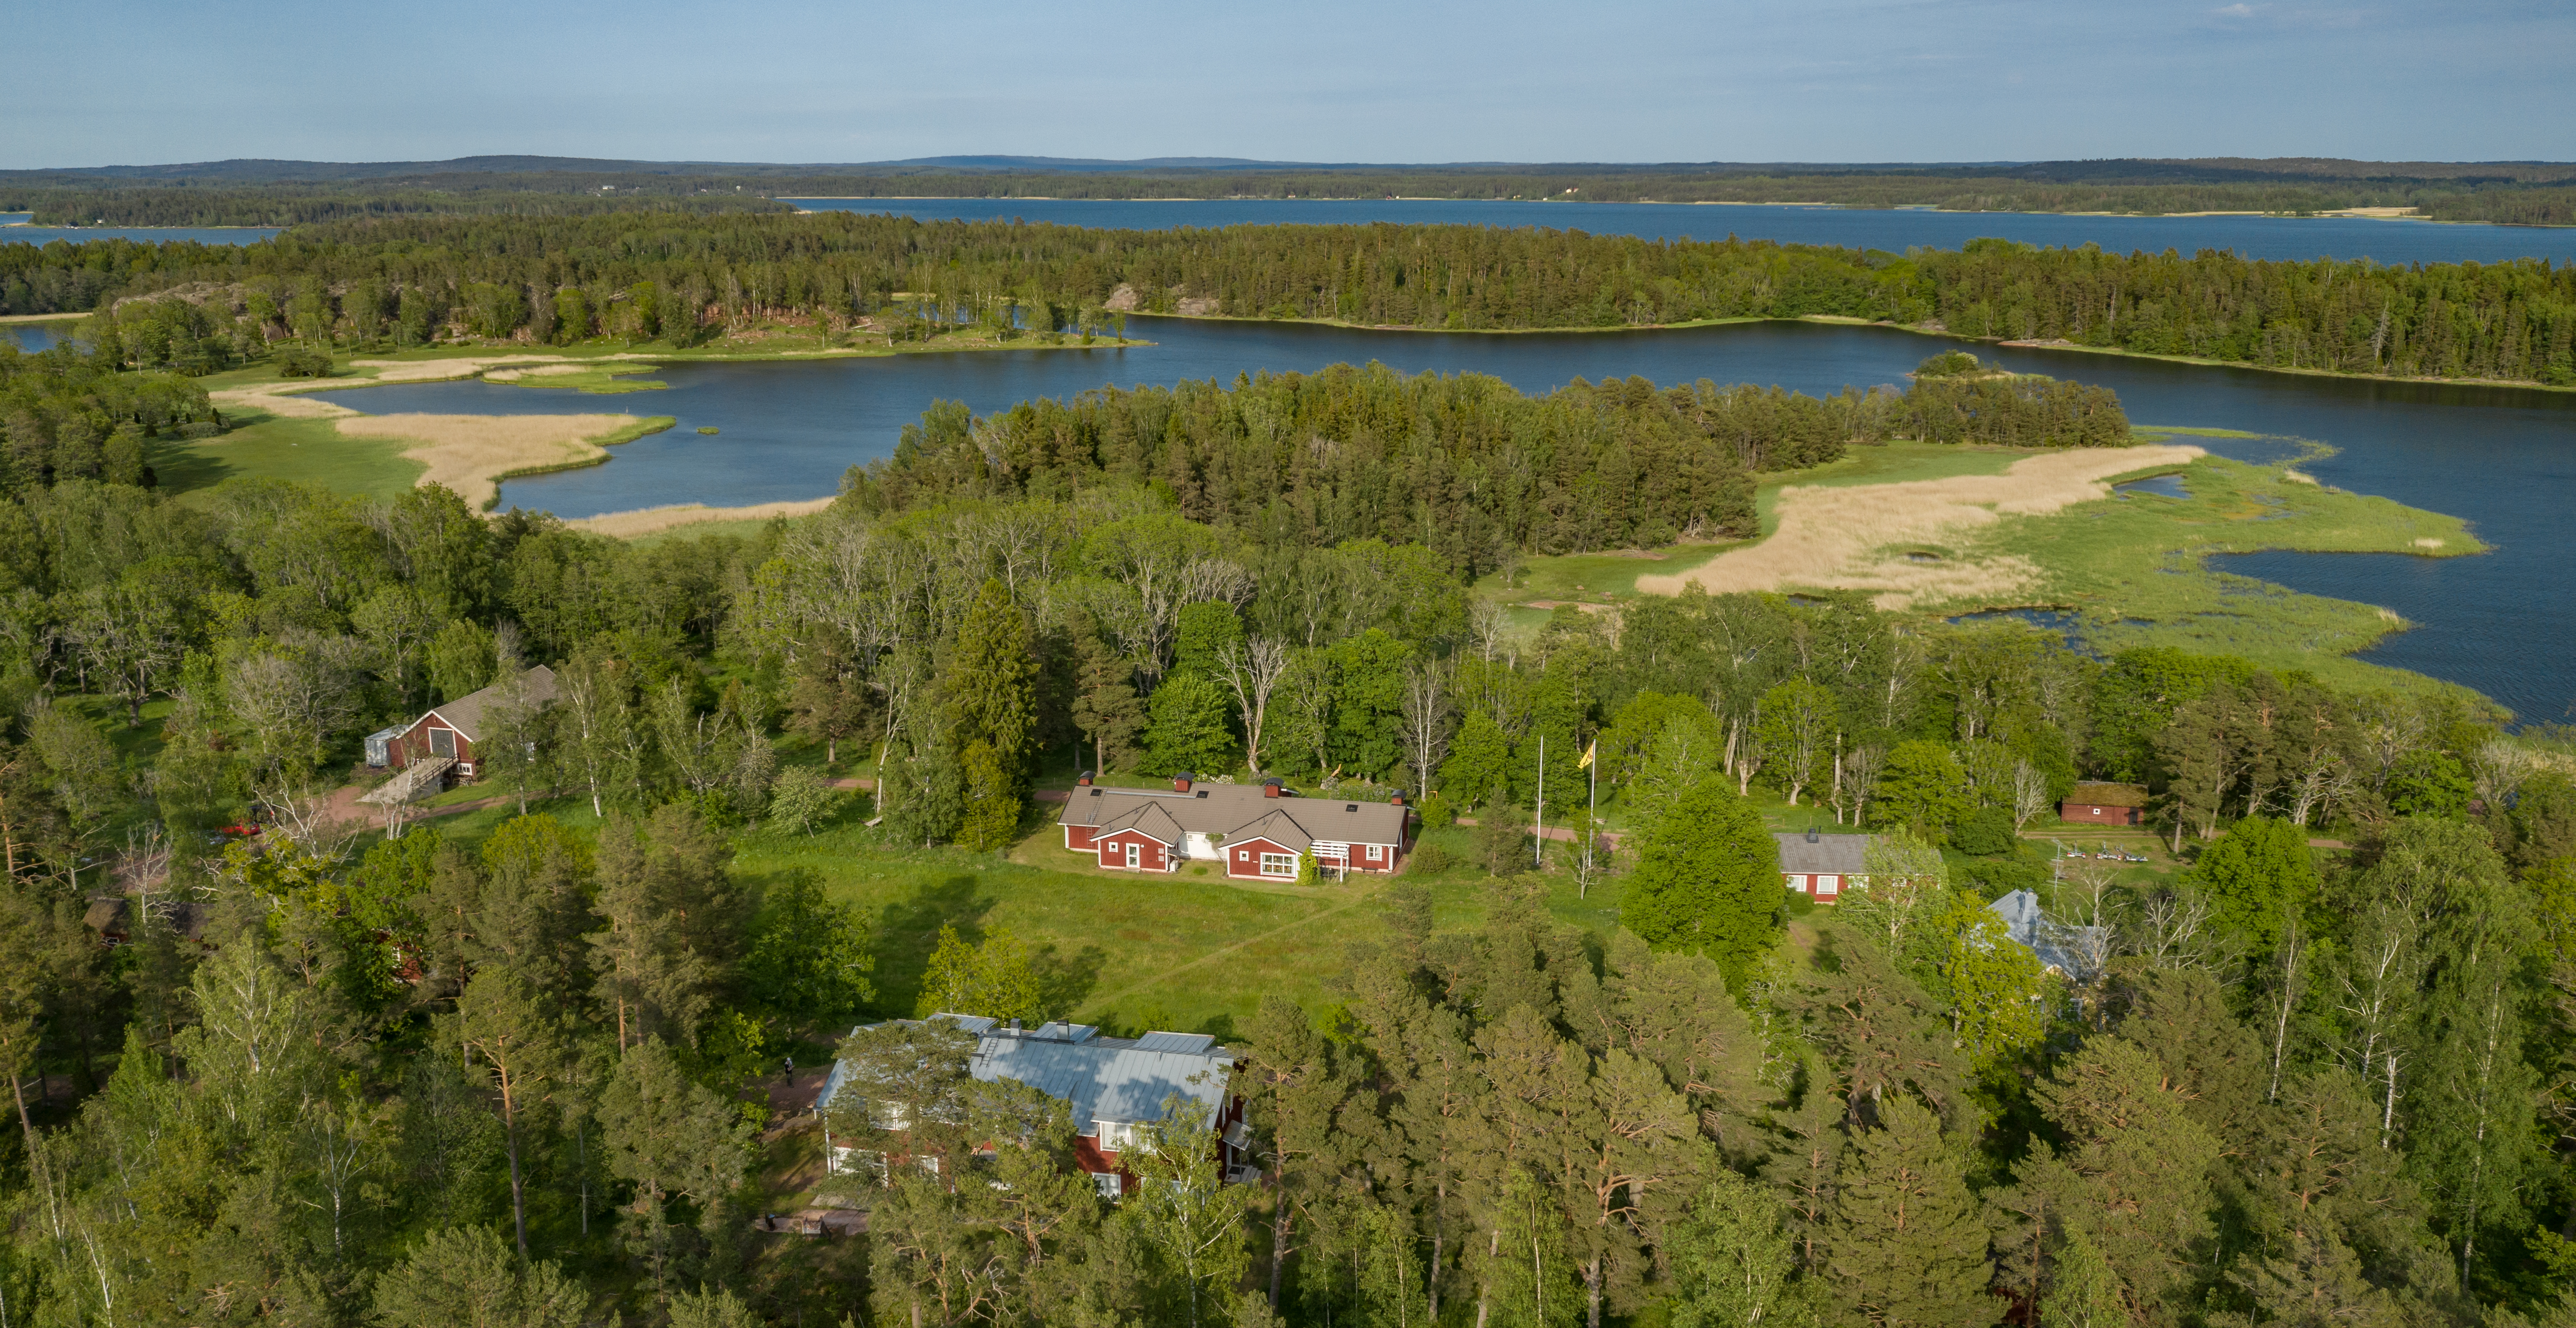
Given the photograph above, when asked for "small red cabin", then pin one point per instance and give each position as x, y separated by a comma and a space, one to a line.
2104, 804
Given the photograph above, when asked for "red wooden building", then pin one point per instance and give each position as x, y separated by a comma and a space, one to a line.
2104, 804
1257, 831
452, 729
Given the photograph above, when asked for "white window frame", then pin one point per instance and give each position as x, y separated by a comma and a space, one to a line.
1377, 852
435, 735
1107, 1183
1135, 857
1286, 864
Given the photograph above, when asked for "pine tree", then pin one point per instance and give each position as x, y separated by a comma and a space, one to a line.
1907, 1245
1105, 705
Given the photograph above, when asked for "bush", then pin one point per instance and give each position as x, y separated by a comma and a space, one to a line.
1429, 857
302, 361
1986, 832
1437, 813
1947, 364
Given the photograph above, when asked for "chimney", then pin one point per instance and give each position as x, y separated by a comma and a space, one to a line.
1082, 780
1397, 800
1270, 788
1811, 834
1181, 782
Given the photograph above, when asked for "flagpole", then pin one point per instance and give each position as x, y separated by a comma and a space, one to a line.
1538, 830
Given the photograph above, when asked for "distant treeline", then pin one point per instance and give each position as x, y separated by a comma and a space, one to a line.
1465, 465
543, 194
672, 274
2453, 191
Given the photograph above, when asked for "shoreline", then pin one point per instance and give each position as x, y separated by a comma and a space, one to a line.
2369, 212
2010, 343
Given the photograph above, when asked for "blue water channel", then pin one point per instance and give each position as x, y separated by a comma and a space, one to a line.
2503, 458
14, 230
1892, 229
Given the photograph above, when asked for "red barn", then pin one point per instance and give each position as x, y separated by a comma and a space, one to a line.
2104, 804
1257, 831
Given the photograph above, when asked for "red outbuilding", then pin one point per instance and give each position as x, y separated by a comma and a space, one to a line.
2104, 804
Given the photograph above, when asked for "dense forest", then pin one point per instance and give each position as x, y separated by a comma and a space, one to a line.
1465, 466
277, 194
2318, 1075
407, 281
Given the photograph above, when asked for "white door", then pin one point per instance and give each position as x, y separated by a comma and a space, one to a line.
1135, 855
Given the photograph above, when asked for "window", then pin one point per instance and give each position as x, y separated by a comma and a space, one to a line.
1106, 1182
1135, 855
1278, 864
442, 742
1243, 855
1376, 852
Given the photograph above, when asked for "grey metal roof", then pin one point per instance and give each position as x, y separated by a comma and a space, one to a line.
1825, 855
2027, 924
465, 713
1234, 810
1111, 1079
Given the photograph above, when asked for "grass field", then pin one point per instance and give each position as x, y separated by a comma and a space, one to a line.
2134, 567
311, 451
1185, 951
2131, 566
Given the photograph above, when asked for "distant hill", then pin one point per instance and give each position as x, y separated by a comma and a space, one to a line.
2115, 170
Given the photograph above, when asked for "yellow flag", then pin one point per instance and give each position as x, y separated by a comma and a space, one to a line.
1586, 762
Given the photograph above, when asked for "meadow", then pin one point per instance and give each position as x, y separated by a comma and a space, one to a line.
1947, 532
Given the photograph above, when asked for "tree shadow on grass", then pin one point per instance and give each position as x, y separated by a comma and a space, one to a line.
1066, 980
908, 930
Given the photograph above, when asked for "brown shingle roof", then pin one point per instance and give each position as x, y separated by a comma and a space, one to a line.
1236, 811
2108, 795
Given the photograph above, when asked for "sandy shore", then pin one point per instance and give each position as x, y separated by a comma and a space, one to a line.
1855, 537
649, 520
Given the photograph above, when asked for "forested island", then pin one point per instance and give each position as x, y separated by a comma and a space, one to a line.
299, 193
516, 1053
413, 281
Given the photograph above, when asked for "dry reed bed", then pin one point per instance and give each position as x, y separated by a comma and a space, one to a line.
472, 454
1856, 537
430, 371
650, 520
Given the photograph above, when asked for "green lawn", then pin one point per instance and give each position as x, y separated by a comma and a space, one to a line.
1186, 951
282, 447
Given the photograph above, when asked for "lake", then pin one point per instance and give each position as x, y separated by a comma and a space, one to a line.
2504, 459
14, 231
1893, 229
36, 336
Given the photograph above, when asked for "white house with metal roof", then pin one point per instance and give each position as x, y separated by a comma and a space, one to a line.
1112, 1085
1257, 831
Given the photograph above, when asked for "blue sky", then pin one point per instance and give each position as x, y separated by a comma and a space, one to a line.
1318, 80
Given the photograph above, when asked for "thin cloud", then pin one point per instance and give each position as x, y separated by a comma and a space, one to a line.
2238, 10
